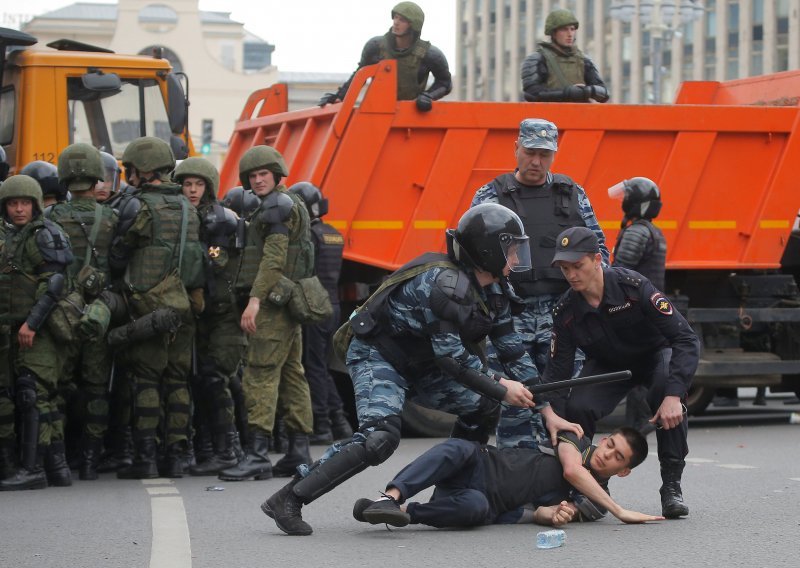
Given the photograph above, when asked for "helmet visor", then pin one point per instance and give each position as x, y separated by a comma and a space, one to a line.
517, 251
617, 191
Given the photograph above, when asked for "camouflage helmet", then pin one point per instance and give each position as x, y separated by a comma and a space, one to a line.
80, 167
46, 174
201, 168
558, 19
148, 154
261, 157
20, 186
412, 13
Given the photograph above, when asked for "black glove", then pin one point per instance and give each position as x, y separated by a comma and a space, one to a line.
576, 93
328, 99
598, 93
424, 102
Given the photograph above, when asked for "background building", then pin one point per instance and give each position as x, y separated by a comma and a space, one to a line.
730, 39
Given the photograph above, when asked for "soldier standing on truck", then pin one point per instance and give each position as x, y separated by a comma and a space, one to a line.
278, 253
621, 321
547, 203
557, 71
420, 333
416, 59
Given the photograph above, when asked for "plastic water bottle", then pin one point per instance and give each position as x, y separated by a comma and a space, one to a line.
550, 539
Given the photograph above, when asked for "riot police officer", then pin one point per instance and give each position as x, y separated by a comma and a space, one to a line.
547, 203
278, 252
416, 59
46, 174
420, 333
157, 253
90, 227
557, 70
34, 257
330, 421
219, 341
107, 190
621, 321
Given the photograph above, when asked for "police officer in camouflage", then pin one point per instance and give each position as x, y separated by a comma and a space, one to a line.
420, 333
107, 190
547, 203
330, 421
159, 256
279, 251
219, 341
90, 227
33, 261
557, 71
416, 59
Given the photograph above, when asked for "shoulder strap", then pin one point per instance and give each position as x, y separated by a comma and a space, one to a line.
184, 229
92, 237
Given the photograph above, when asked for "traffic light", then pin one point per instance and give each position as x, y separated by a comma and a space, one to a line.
208, 134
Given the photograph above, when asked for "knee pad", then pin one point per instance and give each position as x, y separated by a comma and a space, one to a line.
26, 391
383, 441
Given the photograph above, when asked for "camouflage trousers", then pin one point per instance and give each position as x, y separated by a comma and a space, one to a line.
273, 373
522, 427
158, 371
89, 362
220, 345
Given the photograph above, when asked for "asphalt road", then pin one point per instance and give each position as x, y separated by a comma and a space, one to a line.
742, 484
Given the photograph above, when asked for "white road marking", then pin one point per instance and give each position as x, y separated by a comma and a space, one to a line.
163, 490
794, 479
735, 466
699, 460
170, 547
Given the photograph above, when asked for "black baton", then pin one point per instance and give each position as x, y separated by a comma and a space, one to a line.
581, 381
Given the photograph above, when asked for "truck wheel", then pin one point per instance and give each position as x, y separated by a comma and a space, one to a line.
698, 399
425, 422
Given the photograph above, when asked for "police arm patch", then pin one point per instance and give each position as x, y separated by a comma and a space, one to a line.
661, 303
553, 341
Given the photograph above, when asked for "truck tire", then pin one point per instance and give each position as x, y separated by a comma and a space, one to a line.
425, 422
698, 399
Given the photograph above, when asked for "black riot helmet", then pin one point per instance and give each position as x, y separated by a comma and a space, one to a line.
242, 201
641, 197
488, 237
111, 171
46, 174
4, 165
311, 195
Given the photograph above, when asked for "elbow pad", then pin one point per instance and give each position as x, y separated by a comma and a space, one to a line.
472, 379
46, 303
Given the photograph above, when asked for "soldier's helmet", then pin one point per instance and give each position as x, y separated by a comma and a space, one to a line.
558, 19
640, 197
46, 175
411, 12
4, 165
20, 186
311, 195
201, 168
242, 201
261, 157
149, 154
488, 237
111, 171
80, 167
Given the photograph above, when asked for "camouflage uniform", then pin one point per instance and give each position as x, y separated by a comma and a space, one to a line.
520, 427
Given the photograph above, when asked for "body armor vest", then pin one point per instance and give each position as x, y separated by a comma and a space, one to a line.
300, 253
408, 64
563, 70
328, 257
545, 211
150, 264
19, 261
78, 218
653, 261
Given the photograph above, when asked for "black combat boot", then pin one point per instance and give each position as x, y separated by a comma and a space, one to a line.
223, 457
172, 465
340, 425
323, 435
672, 505
255, 464
203, 445
120, 455
285, 507
30, 474
280, 443
144, 463
8, 459
297, 454
55, 465
91, 450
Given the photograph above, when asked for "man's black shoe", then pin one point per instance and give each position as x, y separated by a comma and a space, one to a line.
672, 505
386, 511
358, 509
284, 506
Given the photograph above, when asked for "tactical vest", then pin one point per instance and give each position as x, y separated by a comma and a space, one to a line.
653, 262
563, 70
328, 257
83, 222
545, 211
408, 64
171, 215
300, 253
19, 261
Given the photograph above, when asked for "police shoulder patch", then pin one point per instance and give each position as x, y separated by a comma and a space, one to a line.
661, 303
553, 343
332, 239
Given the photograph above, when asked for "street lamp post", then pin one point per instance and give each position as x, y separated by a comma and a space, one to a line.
656, 16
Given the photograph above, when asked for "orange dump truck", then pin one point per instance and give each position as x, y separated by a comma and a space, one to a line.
726, 156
